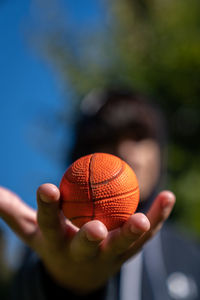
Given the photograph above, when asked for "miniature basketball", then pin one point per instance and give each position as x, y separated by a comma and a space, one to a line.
100, 187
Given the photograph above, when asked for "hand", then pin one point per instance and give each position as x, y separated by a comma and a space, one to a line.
80, 260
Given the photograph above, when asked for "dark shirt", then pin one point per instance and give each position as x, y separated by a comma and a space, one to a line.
170, 270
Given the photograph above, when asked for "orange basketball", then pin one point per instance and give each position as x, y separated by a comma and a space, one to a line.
99, 186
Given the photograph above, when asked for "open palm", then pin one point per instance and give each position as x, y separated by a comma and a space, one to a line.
80, 259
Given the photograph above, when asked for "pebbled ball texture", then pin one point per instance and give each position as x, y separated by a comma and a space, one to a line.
99, 186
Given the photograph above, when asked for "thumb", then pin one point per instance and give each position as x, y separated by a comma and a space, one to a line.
50, 218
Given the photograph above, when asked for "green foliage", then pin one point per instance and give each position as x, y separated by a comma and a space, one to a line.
152, 46
161, 48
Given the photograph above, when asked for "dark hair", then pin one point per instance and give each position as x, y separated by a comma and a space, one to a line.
112, 114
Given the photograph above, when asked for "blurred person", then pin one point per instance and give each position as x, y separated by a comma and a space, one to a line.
127, 124
136, 261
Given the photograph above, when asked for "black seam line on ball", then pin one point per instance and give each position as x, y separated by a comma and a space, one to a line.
74, 182
90, 186
79, 217
135, 190
101, 182
100, 215
112, 178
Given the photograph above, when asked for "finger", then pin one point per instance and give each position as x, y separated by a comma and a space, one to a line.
85, 244
50, 218
157, 215
159, 212
19, 216
120, 239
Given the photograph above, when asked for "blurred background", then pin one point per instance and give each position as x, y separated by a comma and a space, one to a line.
54, 52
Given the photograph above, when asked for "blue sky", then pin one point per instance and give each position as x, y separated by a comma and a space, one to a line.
29, 89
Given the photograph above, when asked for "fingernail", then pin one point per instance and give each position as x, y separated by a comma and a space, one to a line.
169, 201
143, 225
135, 230
90, 237
44, 198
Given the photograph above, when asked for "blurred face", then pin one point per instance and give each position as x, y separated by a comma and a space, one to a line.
144, 157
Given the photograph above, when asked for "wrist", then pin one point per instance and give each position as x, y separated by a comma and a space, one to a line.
53, 286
